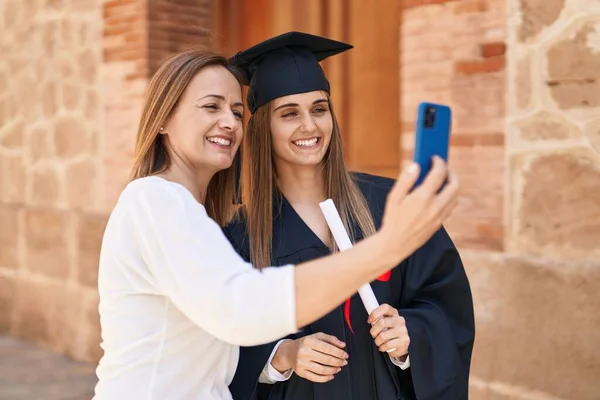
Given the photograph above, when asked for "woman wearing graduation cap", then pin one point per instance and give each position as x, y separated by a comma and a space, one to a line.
176, 300
418, 343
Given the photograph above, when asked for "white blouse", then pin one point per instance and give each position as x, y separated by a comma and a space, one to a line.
176, 300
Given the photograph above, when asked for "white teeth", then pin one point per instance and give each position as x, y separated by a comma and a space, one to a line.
306, 143
218, 140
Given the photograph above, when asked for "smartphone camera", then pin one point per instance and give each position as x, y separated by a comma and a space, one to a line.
429, 117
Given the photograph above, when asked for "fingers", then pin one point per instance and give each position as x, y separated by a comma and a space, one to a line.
328, 349
311, 376
405, 182
396, 347
316, 367
435, 178
326, 359
330, 339
382, 311
389, 334
386, 324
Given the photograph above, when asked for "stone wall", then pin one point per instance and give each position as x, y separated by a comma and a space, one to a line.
50, 172
73, 74
526, 143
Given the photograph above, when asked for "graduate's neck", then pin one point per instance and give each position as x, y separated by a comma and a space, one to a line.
303, 184
193, 179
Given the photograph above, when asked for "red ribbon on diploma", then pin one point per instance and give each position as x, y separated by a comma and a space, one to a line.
383, 278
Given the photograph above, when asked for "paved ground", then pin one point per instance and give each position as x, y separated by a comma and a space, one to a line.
30, 373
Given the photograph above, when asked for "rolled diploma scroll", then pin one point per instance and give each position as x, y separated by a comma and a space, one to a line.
332, 216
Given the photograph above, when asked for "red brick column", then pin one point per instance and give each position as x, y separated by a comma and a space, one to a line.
452, 52
175, 26
138, 36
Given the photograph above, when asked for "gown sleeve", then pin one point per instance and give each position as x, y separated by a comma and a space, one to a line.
192, 263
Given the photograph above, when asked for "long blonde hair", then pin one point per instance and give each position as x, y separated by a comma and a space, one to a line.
258, 186
164, 91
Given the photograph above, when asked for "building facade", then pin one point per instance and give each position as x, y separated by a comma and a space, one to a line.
522, 78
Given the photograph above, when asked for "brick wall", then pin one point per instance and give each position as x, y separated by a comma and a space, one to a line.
125, 70
453, 52
177, 26
138, 36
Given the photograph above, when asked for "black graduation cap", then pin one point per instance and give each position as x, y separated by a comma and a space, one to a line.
285, 64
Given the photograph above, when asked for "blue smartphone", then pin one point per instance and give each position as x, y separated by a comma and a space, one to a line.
432, 136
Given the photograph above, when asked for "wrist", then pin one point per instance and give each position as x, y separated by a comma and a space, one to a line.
281, 359
387, 249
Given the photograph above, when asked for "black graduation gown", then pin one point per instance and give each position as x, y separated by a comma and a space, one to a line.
431, 291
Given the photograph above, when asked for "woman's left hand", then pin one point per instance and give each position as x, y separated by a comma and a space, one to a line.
388, 329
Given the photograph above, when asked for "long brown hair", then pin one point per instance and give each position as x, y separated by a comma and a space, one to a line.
258, 186
164, 91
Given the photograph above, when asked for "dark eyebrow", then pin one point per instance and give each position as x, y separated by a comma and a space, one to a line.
219, 97
296, 105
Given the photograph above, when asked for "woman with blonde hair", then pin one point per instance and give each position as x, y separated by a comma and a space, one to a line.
418, 343
176, 301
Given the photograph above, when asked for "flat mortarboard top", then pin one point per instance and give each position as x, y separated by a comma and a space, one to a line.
284, 65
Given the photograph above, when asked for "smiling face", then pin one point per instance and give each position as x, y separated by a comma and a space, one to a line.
301, 128
205, 129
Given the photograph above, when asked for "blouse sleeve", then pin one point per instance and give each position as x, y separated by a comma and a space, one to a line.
195, 266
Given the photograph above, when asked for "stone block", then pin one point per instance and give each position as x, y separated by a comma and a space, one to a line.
544, 126
49, 99
72, 96
572, 54
11, 135
555, 204
12, 177
46, 237
67, 331
116, 177
49, 314
537, 324
91, 110
71, 137
91, 318
537, 15
592, 132
35, 303
574, 65
10, 233
7, 297
89, 63
576, 94
82, 184
90, 230
40, 144
45, 185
